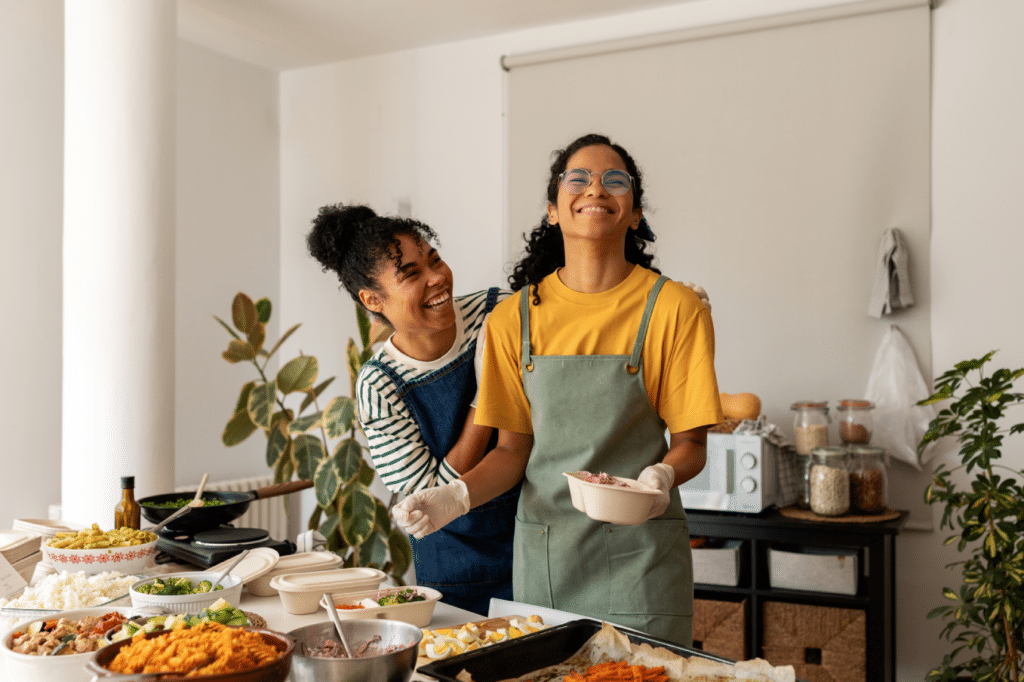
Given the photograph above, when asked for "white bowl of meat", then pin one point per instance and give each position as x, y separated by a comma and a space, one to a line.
29, 648
611, 499
93, 551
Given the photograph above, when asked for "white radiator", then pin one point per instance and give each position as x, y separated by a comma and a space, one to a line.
269, 513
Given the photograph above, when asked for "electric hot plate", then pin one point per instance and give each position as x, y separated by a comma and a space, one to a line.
209, 547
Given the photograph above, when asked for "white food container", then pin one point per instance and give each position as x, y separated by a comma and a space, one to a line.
416, 613
304, 562
717, 565
814, 569
626, 505
188, 603
301, 592
61, 668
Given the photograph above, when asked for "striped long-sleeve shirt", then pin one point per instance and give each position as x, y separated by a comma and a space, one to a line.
399, 454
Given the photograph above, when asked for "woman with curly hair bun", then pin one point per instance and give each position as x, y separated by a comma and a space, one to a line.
414, 396
584, 369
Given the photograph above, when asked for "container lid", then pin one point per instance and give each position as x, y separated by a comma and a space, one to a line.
866, 450
829, 451
307, 561
127, 481
856, 405
336, 580
258, 562
810, 405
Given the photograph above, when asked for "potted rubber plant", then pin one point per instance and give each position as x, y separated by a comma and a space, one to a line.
985, 614
356, 524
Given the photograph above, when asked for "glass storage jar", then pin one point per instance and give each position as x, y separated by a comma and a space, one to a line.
810, 426
868, 479
830, 481
855, 421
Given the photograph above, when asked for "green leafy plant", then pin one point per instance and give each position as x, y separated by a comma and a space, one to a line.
986, 617
356, 524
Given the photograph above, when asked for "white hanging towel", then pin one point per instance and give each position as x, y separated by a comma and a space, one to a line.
892, 279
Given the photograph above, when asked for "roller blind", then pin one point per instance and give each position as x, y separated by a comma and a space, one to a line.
775, 153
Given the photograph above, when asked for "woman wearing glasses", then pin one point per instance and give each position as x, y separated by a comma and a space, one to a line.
414, 396
584, 368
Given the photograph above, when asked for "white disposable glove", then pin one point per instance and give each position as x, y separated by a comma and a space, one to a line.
662, 477
699, 290
429, 509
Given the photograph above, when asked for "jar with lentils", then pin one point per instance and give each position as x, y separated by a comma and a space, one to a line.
868, 479
830, 481
855, 421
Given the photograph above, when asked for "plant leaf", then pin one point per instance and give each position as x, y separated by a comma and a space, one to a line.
277, 445
401, 551
348, 459
239, 351
284, 469
257, 335
238, 428
330, 525
303, 424
339, 416
374, 550
263, 309
326, 482
261, 403
298, 374
243, 397
308, 451
282, 340
226, 326
243, 313
357, 514
314, 394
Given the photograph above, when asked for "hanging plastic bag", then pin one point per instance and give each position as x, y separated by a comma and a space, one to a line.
895, 386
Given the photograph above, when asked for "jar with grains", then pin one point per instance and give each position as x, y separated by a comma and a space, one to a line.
810, 426
868, 479
830, 481
855, 421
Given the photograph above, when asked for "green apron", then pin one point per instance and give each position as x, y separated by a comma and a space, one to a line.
592, 413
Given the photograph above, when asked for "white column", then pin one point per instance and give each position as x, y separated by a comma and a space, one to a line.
119, 219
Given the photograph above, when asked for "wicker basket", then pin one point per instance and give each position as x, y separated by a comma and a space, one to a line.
719, 627
822, 643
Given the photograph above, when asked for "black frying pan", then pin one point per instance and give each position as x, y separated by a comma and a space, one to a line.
207, 518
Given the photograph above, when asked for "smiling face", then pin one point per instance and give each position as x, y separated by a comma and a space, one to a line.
594, 214
415, 295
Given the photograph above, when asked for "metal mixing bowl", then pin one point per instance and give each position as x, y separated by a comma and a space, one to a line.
393, 667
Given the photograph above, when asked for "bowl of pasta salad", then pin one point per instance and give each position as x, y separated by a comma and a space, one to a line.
93, 551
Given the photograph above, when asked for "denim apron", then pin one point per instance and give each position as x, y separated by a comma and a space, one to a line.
592, 413
469, 560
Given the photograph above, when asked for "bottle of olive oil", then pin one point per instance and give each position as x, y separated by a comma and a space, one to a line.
127, 513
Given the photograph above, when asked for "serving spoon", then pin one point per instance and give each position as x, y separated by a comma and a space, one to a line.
234, 563
333, 613
194, 503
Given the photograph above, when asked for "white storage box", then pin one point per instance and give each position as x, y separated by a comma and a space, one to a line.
814, 569
717, 565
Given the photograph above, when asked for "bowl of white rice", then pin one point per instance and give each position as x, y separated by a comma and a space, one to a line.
66, 591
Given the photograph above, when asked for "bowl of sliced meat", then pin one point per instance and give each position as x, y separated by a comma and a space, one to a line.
611, 499
57, 648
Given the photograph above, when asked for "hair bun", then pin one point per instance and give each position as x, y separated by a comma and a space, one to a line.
334, 230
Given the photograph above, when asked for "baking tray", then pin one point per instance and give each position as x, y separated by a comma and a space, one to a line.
538, 650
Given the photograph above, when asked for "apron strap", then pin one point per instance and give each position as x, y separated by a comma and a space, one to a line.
634, 360
526, 362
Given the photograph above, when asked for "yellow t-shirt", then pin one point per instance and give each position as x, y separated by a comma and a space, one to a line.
678, 354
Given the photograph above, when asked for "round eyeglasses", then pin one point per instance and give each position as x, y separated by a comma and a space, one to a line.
577, 180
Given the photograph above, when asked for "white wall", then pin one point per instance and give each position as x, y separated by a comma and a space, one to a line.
425, 126
31, 192
227, 241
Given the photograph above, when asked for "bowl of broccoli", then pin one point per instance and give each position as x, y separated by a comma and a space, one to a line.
186, 593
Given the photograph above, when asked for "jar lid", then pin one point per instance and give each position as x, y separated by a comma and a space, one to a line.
829, 451
810, 405
856, 405
866, 450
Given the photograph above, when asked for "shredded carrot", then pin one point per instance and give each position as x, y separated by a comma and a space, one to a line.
618, 671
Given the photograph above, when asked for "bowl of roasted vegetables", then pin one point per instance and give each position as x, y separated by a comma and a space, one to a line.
187, 593
219, 612
58, 647
93, 551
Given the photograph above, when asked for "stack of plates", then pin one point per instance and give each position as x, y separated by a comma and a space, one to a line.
22, 550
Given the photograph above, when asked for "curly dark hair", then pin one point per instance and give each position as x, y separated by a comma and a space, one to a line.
354, 242
545, 252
